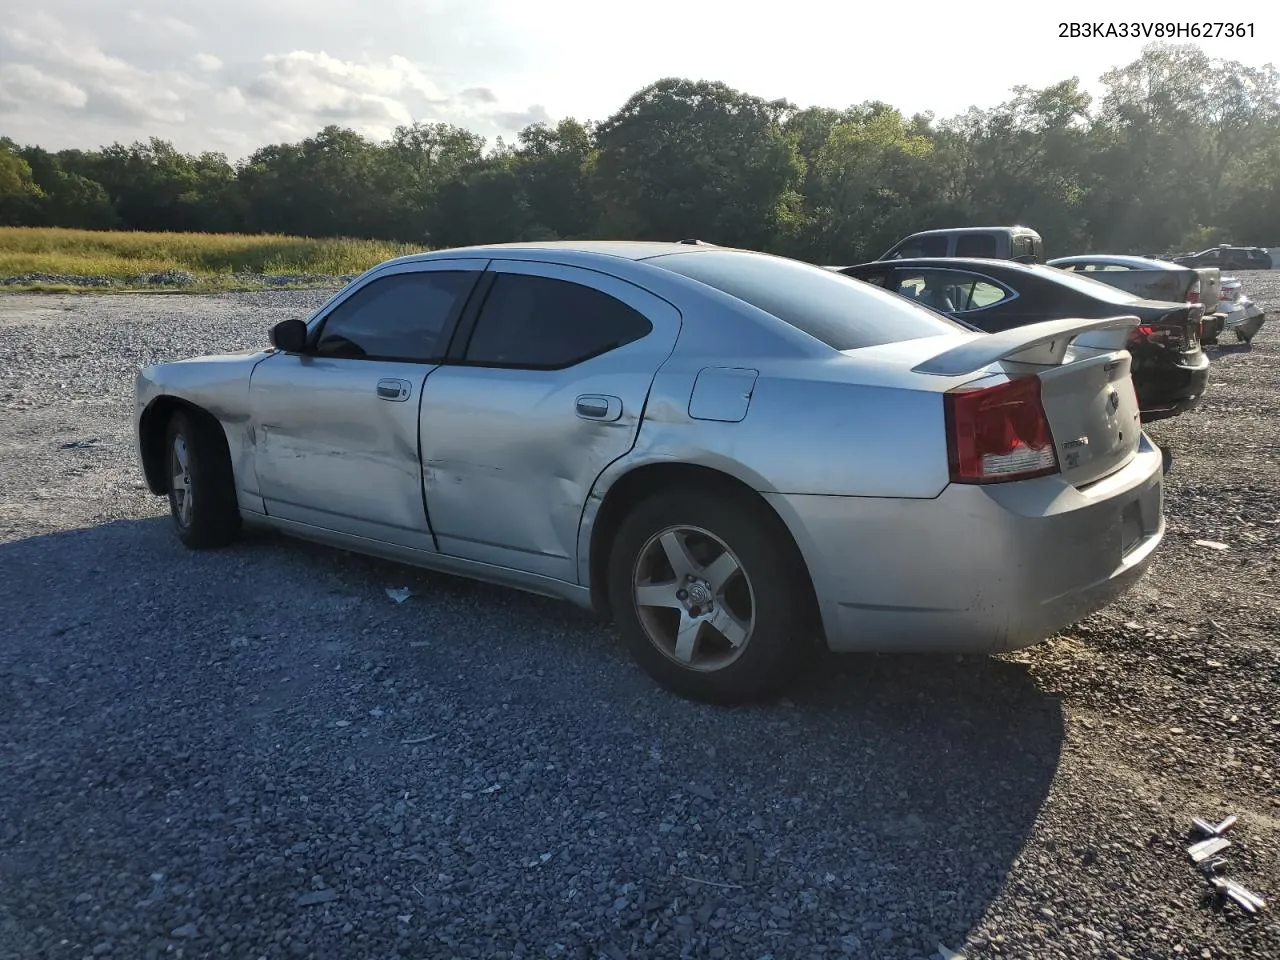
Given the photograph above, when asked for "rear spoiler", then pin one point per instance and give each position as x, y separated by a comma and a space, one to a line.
1043, 343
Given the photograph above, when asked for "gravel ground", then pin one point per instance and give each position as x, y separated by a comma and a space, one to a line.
255, 753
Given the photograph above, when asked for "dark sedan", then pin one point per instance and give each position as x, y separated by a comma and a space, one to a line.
1170, 371
1227, 258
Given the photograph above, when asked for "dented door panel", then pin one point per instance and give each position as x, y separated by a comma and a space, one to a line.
510, 455
337, 445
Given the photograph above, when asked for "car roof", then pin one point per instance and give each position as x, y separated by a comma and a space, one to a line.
968, 263
938, 230
1149, 263
623, 249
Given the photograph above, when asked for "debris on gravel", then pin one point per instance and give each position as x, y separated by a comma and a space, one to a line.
253, 752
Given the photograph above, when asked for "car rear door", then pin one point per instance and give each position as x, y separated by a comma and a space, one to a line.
336, 429
547, 388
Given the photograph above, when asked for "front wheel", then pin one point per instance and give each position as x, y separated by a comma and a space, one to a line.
1243, 337
202, 494
706, 598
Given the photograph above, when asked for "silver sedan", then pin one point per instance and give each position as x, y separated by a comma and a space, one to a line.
730, 453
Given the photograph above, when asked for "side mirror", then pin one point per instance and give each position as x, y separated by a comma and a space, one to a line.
289, 336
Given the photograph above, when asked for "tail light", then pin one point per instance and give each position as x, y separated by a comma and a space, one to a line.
1173, 330
1193, 292
999, 433
1139, 335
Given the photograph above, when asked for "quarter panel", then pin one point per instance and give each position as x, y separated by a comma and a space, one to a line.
218, 384
817, 436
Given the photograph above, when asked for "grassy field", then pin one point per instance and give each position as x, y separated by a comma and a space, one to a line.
212, 258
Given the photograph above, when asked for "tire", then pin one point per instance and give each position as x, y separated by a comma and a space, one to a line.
765, 599
1243, 337
202, 497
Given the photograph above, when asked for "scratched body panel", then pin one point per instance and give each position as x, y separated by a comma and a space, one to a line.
509, 462
321, 427
218, 384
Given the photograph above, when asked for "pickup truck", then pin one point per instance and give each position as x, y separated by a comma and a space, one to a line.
989, 243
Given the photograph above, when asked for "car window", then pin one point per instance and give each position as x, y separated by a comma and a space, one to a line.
879, 278
405, 316
1081, 284
825, 305
977, 245
950, 291
922, 247
1102, 267
542, 323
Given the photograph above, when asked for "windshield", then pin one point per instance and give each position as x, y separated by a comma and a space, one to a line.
842, 312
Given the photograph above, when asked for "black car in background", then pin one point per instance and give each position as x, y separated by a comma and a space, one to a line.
1228, 258
1170, 370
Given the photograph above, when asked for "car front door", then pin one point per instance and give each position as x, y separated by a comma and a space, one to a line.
548, 391
336, 429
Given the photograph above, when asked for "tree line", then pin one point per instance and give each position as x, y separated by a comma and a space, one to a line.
1178, 152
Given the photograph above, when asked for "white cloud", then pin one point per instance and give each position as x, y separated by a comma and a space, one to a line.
302, 77
21, 84
208, 62
109, 84
163, 22
229, 100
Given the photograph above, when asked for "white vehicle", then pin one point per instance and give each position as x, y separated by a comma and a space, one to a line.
1244, 317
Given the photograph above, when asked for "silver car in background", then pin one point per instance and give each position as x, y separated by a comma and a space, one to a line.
1244, 317
1157, 280
731, 453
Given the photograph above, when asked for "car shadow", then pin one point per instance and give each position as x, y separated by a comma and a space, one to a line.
1226, 349
874, 810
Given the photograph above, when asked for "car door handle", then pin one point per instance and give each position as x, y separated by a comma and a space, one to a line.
598, 407
394, 390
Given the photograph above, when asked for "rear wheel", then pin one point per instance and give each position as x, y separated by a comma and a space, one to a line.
202, 494
706, 598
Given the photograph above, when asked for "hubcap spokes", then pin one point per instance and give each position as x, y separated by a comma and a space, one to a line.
694, 600
180, 480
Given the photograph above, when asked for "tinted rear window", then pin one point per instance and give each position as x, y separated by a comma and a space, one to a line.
979, 245
1082, 284
840, 311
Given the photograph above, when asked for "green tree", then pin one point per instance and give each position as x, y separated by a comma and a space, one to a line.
698, 159
555, 167
19, 194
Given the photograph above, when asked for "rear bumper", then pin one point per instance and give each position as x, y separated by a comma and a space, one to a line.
1212, 325
1247, 318
1168, 391
976, 569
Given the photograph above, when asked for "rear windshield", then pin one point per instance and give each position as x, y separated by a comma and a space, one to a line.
1082, 284
842, 312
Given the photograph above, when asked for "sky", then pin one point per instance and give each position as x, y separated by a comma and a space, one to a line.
233, 75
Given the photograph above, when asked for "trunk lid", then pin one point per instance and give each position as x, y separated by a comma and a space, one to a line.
1093, 412
1210, 285
1086, 387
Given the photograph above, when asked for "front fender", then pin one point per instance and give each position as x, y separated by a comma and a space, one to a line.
217, 387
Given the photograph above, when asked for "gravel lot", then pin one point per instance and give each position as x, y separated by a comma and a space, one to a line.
255, 753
